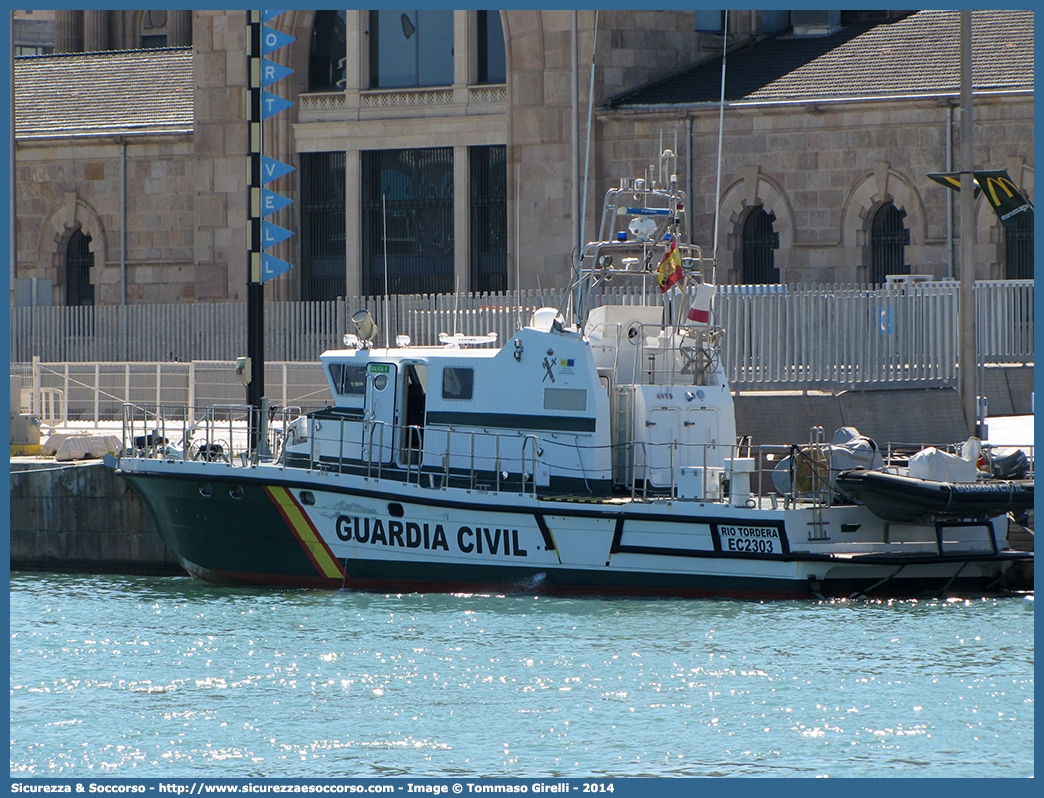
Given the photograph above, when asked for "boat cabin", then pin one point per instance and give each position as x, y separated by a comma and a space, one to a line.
552, 411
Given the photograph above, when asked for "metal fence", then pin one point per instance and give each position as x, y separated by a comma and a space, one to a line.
777, 337
95, 392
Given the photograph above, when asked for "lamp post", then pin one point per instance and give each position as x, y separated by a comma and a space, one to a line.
966, 301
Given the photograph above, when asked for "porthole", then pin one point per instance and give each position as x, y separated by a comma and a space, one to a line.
395, 510
235, 491
380, 382
307, 497
205, 489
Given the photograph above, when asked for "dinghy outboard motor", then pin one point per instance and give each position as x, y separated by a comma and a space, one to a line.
1009, 463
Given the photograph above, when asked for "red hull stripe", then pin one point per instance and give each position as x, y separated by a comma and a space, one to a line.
326, 565
699, 315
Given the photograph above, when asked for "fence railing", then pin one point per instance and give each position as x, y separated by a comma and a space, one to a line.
96, 392
827, 337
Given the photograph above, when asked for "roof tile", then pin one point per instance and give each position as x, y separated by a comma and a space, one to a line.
919, 54
106, 92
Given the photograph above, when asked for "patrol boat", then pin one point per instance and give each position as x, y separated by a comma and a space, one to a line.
595, 452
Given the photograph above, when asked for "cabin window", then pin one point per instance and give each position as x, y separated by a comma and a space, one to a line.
565, 399
348, 380
457, 383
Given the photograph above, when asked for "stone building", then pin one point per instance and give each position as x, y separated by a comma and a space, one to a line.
829, 140
444, 145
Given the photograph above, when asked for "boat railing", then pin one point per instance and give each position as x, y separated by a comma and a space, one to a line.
375, 454
532, 442
711, 472
370, 427
144, 432
740, 474
280, 434
229, 433
674, 355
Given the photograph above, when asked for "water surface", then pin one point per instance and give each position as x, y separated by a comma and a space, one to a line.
147, 677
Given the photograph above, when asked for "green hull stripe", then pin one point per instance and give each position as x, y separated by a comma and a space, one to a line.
509, 421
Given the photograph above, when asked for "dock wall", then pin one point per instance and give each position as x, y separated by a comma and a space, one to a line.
927, 415
82, 518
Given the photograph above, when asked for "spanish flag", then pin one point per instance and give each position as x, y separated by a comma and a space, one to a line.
670, 270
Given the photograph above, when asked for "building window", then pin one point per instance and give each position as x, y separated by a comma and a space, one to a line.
758, 247
774, 20
710, 21
407, 212
78, 262
488, 170
323, 251
492, 64
329, 51
888, 240
1018, 248
153, 29
411, 48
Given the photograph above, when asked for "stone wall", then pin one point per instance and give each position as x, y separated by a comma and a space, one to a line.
823, 170
63, 188
82, 518
220, 150
186, 192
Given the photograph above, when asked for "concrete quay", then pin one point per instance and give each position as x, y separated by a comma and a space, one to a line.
81, 518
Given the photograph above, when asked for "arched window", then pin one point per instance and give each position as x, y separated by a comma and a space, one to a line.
1018, 248
78, 262
492, 64
888, 240
758, 245
153, 29
328, 53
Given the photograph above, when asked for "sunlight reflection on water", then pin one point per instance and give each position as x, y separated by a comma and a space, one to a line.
125, 676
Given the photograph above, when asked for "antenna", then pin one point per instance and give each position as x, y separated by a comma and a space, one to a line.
659, 174
456, 306
587, 165
518, 242
721, 128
